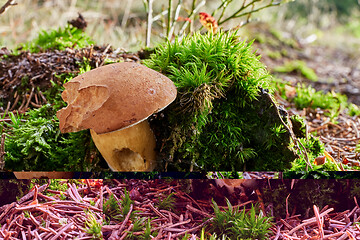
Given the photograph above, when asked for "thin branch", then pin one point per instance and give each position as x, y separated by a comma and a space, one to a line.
149, 23
169, 19
8, 4
182, 30
126, 13
235, 15
2, 152
176, 16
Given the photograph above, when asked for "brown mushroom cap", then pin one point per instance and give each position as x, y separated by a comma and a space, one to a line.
113, 97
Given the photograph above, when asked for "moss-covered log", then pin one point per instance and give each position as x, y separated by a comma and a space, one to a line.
224, 117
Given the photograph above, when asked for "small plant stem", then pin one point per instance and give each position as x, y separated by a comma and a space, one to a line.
249, 15
234, 15
176, 16
224, 6
192, 229
149, 23
223, 11
193, 6
169, 19
2, 152
237, 15
193, 12
126, 13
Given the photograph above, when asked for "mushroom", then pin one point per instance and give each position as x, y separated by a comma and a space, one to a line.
114, 102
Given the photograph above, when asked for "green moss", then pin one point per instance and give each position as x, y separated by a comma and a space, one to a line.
274, 54
314, 148
299, 67
353, 109
33, 142
59, 39
306, 96
333, 102
224, 118
239, 224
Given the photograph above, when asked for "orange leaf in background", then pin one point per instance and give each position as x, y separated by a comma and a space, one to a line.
208, 21
182, 19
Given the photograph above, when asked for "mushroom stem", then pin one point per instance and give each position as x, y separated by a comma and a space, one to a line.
131, 149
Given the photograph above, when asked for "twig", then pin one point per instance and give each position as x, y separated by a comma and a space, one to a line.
115, 233
149, 23
8, 4
126, 13
29, 99
278, 228
156, 211
186, 23
32, 193
192, 209
173, 23
66, 227
127, 232
171, 225
192, 229
319, 221
169, 19
237, 15
2, 152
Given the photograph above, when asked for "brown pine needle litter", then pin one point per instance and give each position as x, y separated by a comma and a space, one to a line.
64, 215
324, 225
79, 213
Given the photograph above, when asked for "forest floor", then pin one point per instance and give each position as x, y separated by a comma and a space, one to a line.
337, 70
166, 209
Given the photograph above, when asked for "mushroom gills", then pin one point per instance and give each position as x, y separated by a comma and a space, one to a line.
129, 149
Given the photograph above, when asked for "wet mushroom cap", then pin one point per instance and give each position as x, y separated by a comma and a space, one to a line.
114, 97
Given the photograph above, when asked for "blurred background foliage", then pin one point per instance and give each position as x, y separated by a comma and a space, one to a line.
123, 23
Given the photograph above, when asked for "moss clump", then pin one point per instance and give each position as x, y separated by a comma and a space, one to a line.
224, 117
298, 67
59, 39
333, 103
33, 142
